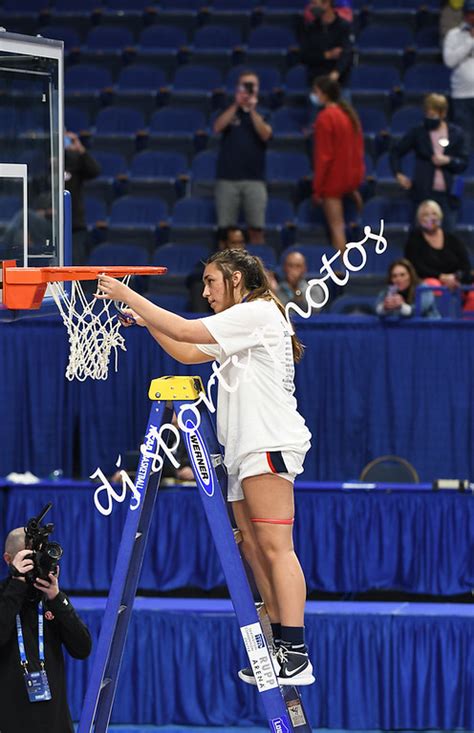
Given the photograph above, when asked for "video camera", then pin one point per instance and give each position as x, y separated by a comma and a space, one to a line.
45, 555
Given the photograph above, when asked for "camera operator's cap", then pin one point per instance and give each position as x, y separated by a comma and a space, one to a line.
468, 6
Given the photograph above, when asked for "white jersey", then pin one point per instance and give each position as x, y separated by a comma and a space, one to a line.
256, 406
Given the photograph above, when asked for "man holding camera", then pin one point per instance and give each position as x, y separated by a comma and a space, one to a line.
36, 619
241, 160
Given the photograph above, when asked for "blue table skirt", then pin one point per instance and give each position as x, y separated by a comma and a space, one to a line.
379, 665
348, 541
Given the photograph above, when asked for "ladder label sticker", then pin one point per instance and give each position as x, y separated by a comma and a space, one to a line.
296, 713
260, 661
201, 462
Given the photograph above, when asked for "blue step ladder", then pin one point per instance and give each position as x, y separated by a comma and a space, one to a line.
283, 706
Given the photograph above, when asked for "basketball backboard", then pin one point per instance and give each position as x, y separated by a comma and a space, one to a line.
31, 151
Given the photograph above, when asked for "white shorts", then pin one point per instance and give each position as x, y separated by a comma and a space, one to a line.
286, 464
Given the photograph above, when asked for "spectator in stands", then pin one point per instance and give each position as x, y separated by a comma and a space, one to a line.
231, 238
228, 238
293, 288
441, 152
325, 42
241, 160
439, 257
458, 54
79, 166
338, 157
450, 16
398, 298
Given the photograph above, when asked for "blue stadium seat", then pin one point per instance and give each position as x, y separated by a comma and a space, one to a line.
76, 119
222, 37
386, 183
122, 121
138, 211
111, 164
86, 78
428, 38
193, 218
69, 35
466, 214
266, 254
353, 305
180, 259
387, 39
70, 6
113, 255
203, 173
96, 210
279, 222
26, 6
296, 81
112, 167
109, 38
179, 129
196, 78
160, 173
235, 5
310, 220
141, 77
186, 5
397, 211
162, 38
286, 173
423, 78
138, 217
290, 121
270, 38
404, 118
366, 79
375, 128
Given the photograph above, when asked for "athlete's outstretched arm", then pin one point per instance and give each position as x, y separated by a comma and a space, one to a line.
169, 324
182, 352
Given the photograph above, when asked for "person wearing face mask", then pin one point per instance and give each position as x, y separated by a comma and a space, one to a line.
441, 153
458, 55
439, 257
326, 42
398, 298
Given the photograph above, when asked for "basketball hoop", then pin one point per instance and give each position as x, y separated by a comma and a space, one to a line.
93, 328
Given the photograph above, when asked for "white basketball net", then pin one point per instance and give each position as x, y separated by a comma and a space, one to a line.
93, 331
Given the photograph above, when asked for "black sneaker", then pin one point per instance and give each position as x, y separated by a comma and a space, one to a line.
295, 667
247, 675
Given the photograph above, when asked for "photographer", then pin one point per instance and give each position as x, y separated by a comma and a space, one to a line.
241, 160
33, 612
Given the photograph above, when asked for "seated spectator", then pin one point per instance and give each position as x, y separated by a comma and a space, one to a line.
458, 54
325, 41
228, 238
231, 238
293, 288
439, 257
398, 298
241, 160
441, 152
338, 157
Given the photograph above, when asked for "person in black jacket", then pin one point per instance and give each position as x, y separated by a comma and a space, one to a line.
325, 42
441, 152
62, 625
79, 166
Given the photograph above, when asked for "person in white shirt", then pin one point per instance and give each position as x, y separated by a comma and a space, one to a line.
264, 436
458, 54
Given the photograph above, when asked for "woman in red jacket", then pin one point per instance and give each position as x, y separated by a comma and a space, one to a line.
338, 156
